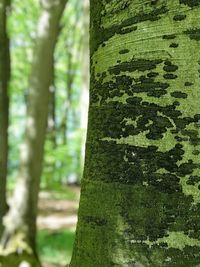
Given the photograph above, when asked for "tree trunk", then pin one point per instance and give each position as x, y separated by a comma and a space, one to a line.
20, 222
85, 81
4, 102
68, 100
51, 128
140, 200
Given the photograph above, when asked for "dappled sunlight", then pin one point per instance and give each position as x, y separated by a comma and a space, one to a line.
44, 24
31, 127
24, 264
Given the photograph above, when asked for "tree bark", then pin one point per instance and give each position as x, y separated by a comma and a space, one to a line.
4, 104
140, 200
20, 222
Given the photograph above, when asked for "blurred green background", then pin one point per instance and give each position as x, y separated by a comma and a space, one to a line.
63, 161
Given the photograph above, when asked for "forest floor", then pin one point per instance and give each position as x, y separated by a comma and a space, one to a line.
56, 226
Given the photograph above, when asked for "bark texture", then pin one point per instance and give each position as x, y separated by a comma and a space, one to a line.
140, 201
20, 223
4, 103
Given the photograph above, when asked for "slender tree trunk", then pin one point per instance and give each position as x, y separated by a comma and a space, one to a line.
85, 81
140, 200
4, 104
51, 129
20, 222
67, 104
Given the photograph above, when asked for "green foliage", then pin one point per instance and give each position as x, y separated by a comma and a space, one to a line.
55, 247
63, 159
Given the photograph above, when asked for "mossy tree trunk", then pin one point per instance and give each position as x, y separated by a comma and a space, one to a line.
20, 222
140, 200
4, 104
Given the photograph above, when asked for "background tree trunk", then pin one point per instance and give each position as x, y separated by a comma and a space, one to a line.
140, 192
20, 222
85, 81
4, 103
68, 100
51, 129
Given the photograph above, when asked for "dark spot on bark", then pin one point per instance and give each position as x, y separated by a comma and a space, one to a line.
193, 180
170, 68
127, 30
179, 94
153, 2
168, 63
174, 45
169, 36
159, 126
196, 152
193, 136
179, 17
95, 220
190, 3
124, 51
152, 74
188, 84
186, 168
196, 117
151, 87
166, 183
133, 100
181, 139
135, 64
194, 34
170, 76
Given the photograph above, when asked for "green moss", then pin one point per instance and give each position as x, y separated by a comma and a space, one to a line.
54, 247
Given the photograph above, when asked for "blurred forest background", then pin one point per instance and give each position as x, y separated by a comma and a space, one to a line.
67, 120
